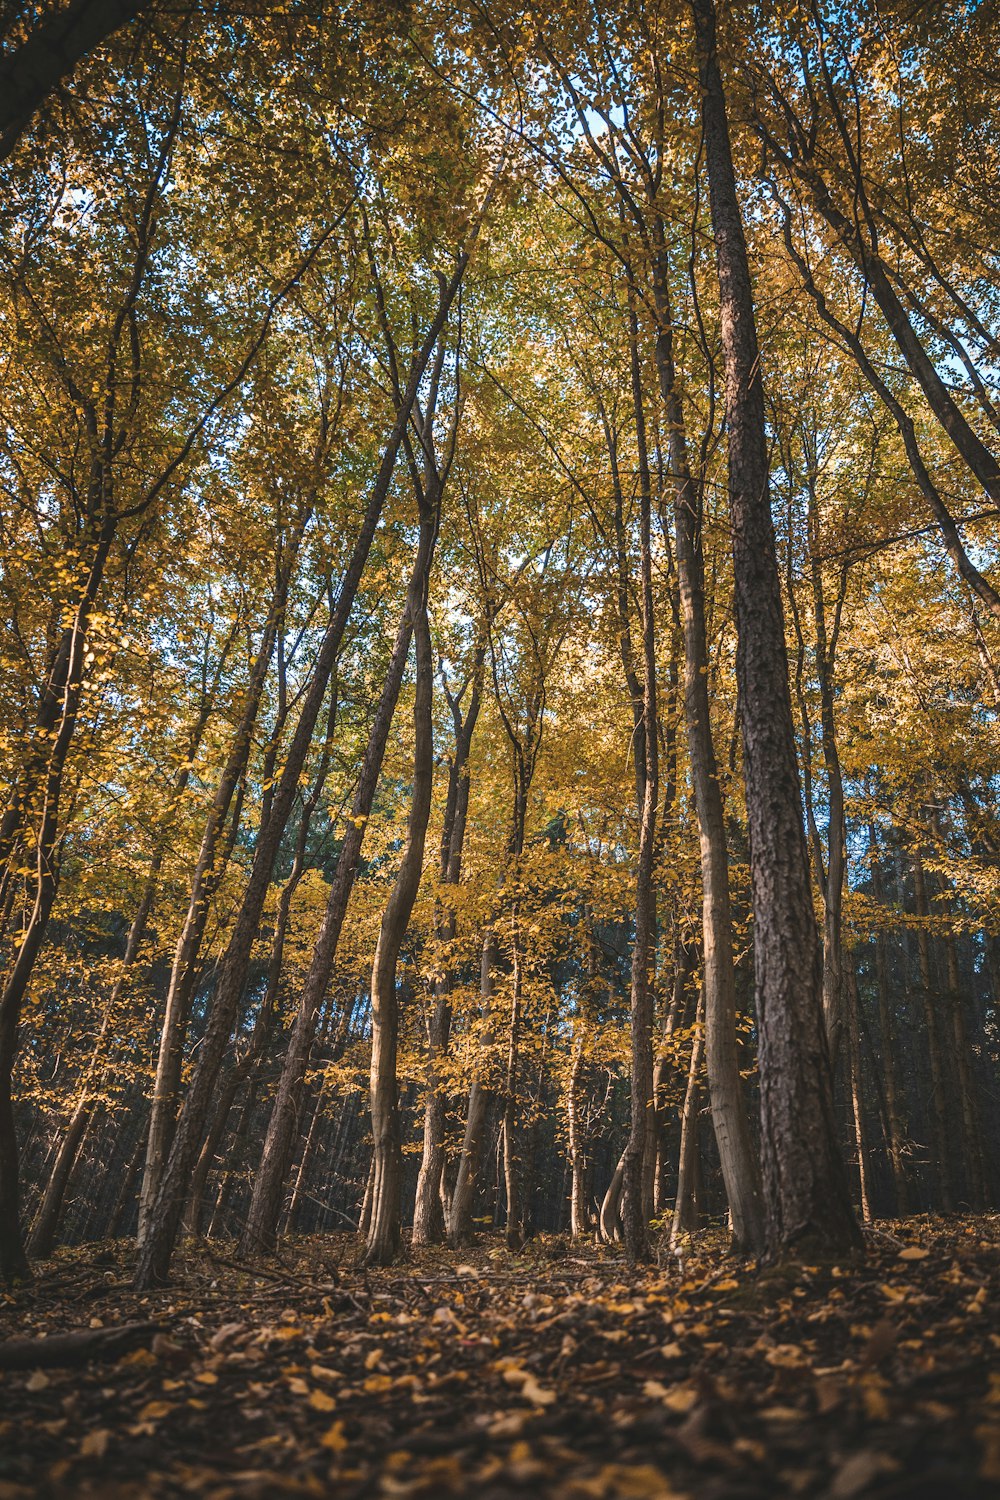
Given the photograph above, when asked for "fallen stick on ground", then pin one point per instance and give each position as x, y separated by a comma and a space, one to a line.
76, 1348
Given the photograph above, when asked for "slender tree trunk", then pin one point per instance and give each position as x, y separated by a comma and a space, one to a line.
638, 1170
384, 1227
805, 1184
579, 1218
269, 1181
975, 1179
857, 1094
208, 872
687, 1206
939, 1098
470, 1160
887, 1030
740, 1169
509, 1127
429, 1205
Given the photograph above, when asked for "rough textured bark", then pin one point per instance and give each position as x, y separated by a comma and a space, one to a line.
740, 1168
805, 1184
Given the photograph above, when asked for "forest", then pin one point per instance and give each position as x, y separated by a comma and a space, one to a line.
499, 748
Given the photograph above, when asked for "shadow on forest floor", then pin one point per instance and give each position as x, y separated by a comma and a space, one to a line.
555, 1373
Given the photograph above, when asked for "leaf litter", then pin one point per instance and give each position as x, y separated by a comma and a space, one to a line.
556, 1372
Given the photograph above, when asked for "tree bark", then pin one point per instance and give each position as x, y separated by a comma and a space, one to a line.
429, 1211
740, 1168
639, 1161
687, 1205
208, 872
470, 1160
805, 1185
30, 73
384, 1227
939, 1096
265, 1207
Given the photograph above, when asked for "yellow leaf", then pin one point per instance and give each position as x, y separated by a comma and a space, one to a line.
537, 1394
786, 1357
914, 1252
153, 1411
95, 1444
334, 1438
320, 1401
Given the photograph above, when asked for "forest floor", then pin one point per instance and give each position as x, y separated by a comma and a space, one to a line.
551, 1373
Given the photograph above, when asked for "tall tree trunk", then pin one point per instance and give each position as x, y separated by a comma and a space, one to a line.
384, 1226
208, 872
687, 1206
857, 1094
509, 1126
638, 1170
939, 1096
975, 1177
470, 1160
740, 1168
579, 1218
428, 1211
887, 1032
805, 1183
269, 1181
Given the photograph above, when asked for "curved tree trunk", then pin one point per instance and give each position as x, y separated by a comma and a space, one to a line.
154, 1261
209, 870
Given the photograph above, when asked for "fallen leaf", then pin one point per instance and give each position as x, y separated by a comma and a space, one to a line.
334, 1438
95, 1444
